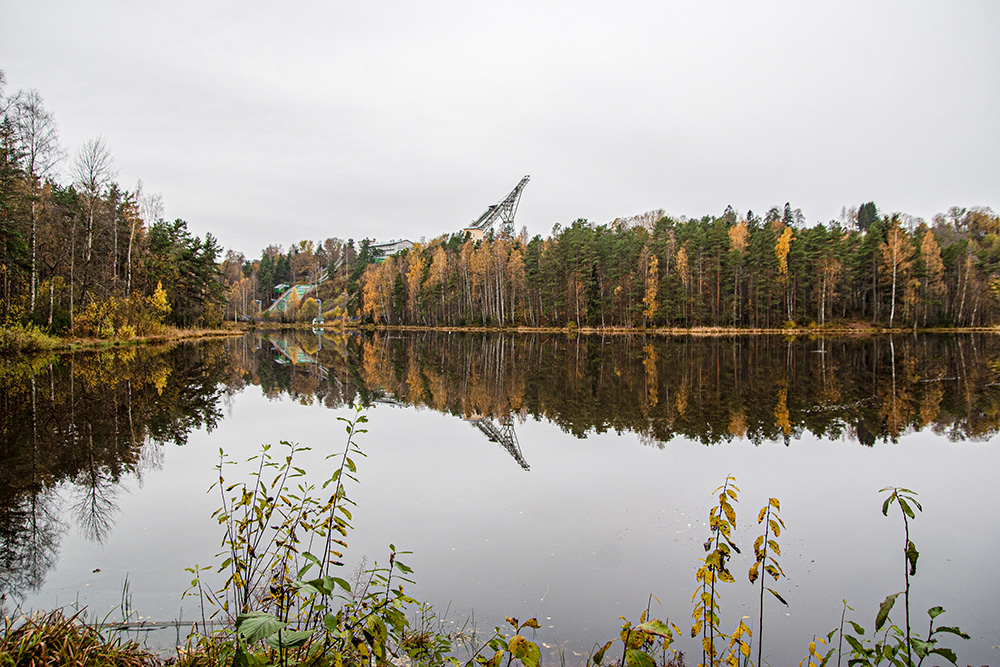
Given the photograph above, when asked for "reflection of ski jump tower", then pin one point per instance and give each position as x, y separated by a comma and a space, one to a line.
501, 432
295, 355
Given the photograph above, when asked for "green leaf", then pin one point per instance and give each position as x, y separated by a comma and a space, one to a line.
906, 508
883, 611
289, 638
911, 557
656, 627
921, 648
885, 505
524, 650
855, 644
934, 612
951, 630
599, 656
257, 625
636, 658
857, 628
947, 654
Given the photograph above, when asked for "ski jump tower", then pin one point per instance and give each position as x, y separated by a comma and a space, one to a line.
503, 212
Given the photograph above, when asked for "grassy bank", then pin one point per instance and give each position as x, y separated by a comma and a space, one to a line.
30, 340
849, 329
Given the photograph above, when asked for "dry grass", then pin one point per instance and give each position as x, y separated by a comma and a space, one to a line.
57, 639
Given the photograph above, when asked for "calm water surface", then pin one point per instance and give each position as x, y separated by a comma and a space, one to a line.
563, 478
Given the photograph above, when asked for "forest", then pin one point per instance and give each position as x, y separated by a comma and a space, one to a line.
731, 270
90, 256
93, 258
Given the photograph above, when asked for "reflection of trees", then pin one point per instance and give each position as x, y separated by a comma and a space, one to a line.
30, 530
709, 389
95, 493
86, 422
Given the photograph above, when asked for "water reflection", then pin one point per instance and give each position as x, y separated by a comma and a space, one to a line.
708, 389
73, 427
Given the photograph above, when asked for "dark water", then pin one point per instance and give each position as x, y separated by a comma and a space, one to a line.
549, 476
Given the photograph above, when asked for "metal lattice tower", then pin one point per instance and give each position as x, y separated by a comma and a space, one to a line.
503, 211
502, 432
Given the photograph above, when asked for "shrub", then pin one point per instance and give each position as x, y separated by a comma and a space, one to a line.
22, 339
135, 315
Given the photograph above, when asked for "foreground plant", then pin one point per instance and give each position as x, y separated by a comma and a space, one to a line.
279, 595
641, 643
764, 550
714, 569
57, 639
894, 646
518, 647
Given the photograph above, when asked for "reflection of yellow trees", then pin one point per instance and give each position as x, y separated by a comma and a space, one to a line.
649, 361
894, 409
708, 389
438, 384
374, 371
781, 416
930, 403
304, 386
681, 402
159, 379
414, 381
738, 424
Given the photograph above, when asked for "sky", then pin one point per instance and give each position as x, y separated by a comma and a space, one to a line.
268, 122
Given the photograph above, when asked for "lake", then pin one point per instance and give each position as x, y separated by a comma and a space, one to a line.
563, 477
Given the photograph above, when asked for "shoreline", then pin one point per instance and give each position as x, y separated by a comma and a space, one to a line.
61, 345
838, 330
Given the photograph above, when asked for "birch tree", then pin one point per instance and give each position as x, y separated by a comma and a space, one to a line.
38, 144
93, 170
897, 259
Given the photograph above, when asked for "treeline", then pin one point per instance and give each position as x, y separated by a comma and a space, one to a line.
90, 256
95, 258
730, 270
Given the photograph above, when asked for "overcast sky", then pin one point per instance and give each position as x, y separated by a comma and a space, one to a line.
271, 122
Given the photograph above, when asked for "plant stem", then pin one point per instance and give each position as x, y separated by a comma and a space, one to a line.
906, 572
760, 624
840, 646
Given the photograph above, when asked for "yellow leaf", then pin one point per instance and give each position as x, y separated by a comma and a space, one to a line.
730, 513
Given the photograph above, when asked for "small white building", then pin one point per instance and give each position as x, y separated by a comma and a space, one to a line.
388, 248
